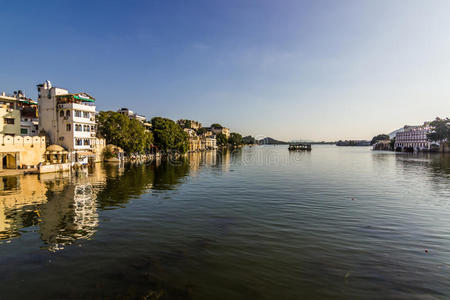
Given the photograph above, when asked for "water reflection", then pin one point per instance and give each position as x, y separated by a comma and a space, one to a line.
64, 207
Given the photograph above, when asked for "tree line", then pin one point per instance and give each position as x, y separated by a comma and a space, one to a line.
164, 135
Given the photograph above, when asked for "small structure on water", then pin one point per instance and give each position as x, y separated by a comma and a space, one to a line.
299, 147
113, 153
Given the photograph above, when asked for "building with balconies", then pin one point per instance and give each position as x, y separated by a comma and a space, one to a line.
414, 138
68, 120
9, 115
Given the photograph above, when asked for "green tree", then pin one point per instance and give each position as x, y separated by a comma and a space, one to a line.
216, 126
248, 140
201, 131
119, 130
169, 136
221, 139
440, 130
380, 137
235, 139
392, 144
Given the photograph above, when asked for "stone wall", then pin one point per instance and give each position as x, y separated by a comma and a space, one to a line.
28, 150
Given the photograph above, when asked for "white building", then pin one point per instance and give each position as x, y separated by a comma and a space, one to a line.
131, 114
413, 138
68, 120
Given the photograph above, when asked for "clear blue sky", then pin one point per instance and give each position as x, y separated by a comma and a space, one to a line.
321, 70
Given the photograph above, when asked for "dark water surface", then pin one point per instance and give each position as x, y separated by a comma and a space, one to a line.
260, 223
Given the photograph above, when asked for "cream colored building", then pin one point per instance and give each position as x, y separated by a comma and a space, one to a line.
222, 130
9, 115
21, 151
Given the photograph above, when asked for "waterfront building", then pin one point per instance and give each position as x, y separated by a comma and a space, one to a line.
9, 115
69, 121
129, 113
413, 138
195, 143
221, 130
209, 142
21, 151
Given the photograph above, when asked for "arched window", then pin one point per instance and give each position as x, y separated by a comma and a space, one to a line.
61, 113
68, 113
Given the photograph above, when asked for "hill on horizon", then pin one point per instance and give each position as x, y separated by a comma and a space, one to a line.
271, 141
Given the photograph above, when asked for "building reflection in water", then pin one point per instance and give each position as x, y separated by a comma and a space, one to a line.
64, 207
18, 200
71, 211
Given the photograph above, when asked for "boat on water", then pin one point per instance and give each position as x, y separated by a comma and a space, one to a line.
299, 147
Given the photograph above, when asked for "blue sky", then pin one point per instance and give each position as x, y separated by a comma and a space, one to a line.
320, 70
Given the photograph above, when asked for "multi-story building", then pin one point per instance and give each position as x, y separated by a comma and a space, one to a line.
29, 117
19, 105
413, 138
209, 142
68, 120
131, 114
9, 115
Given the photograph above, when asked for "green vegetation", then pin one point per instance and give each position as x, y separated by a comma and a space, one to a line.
235, 139
216, 126
119, 130
270, 141
440, 130
169, 136
221, 139
248, 140
380, 137
201, 131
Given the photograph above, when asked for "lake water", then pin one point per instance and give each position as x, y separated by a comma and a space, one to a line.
257, 223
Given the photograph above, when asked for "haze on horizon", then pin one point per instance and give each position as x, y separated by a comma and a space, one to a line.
316, 70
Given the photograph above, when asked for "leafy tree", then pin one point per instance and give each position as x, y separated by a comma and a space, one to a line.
169, 136
380, 137
201, 131
440, 130
392, 144
221, 139
216, 126
119, 130
249, 140
235, 139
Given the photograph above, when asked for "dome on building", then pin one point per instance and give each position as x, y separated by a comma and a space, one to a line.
56, 148
48, 84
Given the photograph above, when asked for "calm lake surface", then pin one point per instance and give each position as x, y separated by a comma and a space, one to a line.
257, 223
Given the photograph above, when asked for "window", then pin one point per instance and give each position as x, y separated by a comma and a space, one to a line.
78, 113
36, 127
61, 113
86, 114
78, 127
92, 128
68, 113
68, 127
23, 131
78, 142
86, 128
9, 121
87, 142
